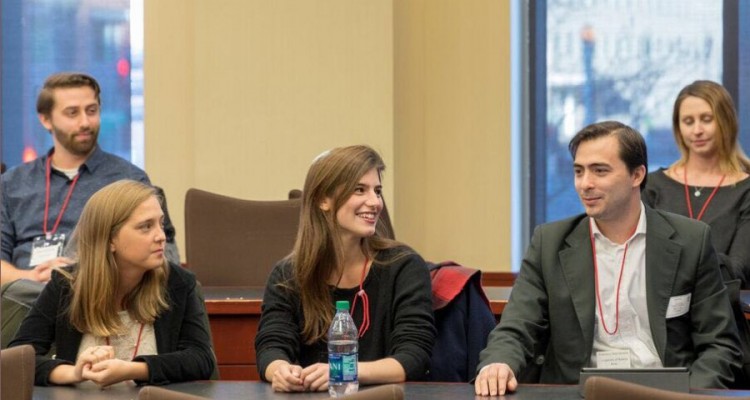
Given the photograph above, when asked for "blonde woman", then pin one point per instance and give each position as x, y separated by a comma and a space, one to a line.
709, 182
121, 313
341, 254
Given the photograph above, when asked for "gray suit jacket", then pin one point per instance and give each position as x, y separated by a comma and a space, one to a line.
553, 301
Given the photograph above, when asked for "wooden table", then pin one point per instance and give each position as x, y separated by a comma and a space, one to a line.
234, 313
259, 390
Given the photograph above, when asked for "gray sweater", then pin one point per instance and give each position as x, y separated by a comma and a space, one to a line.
728, 215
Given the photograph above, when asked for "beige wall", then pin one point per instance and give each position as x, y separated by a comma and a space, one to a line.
242, 94
452, 131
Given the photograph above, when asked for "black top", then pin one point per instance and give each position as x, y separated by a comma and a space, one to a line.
182, 337
401, 321
728, 214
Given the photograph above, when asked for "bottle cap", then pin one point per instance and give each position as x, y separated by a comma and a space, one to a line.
342, 305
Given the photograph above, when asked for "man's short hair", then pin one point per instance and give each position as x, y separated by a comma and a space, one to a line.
632, 146
46, 100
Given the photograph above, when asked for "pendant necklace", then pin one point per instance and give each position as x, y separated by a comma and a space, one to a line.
698, 193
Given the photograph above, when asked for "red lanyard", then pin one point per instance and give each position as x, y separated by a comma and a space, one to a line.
137, 342
705, 206
619, 280
365, 302
46, 199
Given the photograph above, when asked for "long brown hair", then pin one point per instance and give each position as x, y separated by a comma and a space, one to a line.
318, 251
731, 157
93, 307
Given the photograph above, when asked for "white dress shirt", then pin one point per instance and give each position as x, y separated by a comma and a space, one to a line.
633, 328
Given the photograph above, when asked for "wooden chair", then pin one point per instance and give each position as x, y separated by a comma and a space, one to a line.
384, 392
17, 372
295, 194
236, 242
602, 388
159, 393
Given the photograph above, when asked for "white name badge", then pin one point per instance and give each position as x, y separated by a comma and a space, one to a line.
46, 248
613, 359
678, 305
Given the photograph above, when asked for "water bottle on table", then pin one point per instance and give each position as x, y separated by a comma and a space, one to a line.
342, 353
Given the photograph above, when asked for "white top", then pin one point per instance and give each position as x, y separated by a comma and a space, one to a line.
70, 173
125, 344
634, 331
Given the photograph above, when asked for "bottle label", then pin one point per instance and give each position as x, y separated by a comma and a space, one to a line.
342, 367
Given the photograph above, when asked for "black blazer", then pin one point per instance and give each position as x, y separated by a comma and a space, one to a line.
553, 300
182, 338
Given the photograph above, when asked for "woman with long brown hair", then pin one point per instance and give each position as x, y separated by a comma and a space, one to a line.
709, 181
341, 254
121, 313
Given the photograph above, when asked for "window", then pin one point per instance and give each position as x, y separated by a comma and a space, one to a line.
622, 60
101, 38
581, 61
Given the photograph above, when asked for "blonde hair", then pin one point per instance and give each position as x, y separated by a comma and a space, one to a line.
318, 251
731, 157
93, 307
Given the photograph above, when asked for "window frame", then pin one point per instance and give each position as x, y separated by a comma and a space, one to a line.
529, 136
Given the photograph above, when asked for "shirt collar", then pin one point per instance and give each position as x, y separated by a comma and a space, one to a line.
639, 229
96, 158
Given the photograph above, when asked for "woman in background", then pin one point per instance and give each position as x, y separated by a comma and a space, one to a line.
710, 180
122, 313
341, 254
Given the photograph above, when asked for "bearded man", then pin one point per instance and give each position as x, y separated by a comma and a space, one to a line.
43, 199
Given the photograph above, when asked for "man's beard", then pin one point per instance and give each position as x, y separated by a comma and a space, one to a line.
75, 147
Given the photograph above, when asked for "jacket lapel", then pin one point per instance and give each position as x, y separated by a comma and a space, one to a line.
577, 266
662, 259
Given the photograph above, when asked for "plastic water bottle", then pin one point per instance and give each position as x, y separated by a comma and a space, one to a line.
342, 353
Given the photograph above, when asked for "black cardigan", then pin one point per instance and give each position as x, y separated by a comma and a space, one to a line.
401, 320
182, 338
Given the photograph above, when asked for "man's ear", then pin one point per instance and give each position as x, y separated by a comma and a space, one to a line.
639, 174
45, 121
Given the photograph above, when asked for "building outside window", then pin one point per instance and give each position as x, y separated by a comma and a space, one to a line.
100, 37
575, 62
622, 60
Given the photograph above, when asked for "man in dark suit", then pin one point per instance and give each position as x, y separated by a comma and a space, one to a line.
620, 286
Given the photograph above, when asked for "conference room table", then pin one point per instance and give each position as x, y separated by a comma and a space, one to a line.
249, 390
234, 313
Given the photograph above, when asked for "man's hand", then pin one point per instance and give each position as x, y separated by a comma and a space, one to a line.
43, 271
494, 380
315, 377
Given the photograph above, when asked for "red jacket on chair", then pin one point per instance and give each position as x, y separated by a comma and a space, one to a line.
463, 319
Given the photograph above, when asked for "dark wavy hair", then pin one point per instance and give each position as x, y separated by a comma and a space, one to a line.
632, 146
